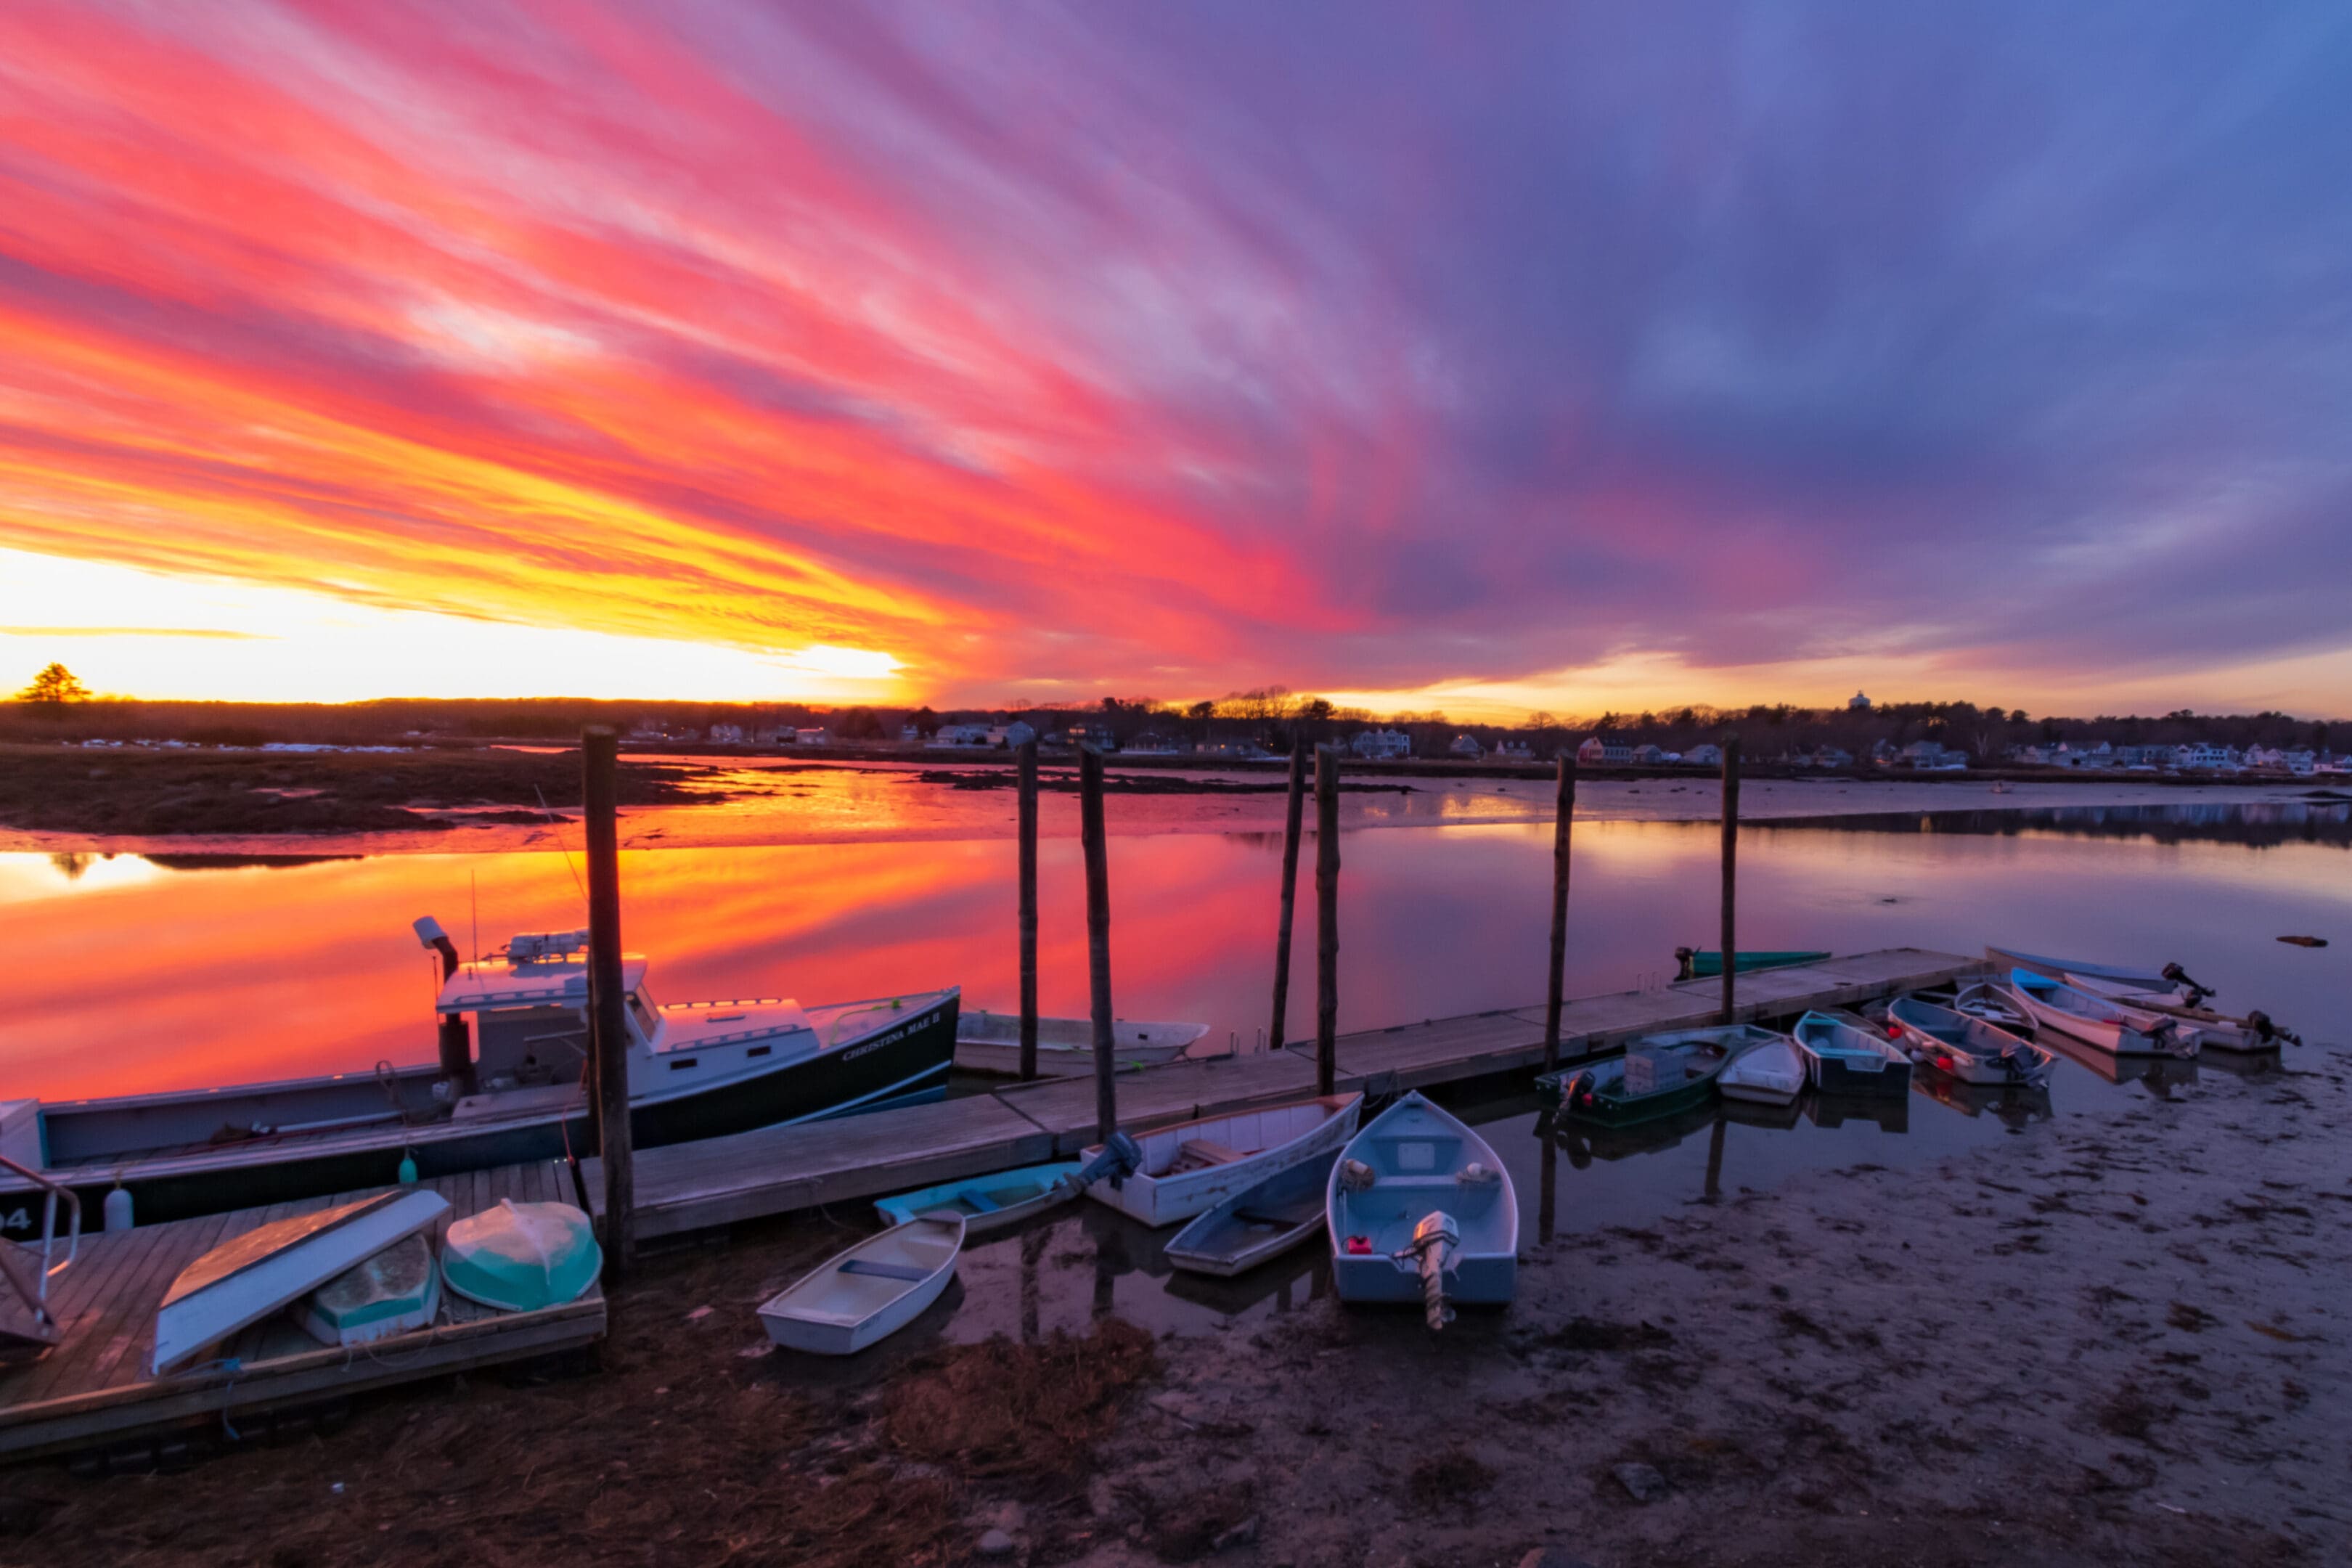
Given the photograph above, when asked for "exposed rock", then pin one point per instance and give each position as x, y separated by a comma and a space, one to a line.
996, 1544
1641, 1483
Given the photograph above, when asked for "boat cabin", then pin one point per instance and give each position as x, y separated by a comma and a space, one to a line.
529, 1006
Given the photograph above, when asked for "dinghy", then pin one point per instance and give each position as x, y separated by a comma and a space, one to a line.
2093, 1020
1770, 1073
249, 1277
869, 1292
1700, 963
1264, 1222
988, 1203
1657, 1076
396, 1292
1967, 1048
521, 1257
2254, 1032
1843, 1057
1003, 1200
1192, 1167
989, 1042
1983, 999
2169, 977
1420, 1208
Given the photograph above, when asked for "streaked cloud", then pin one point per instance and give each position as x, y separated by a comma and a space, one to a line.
1525, 354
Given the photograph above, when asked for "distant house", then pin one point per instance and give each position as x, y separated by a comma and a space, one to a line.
1381, 745
1648, 756
1823, 757
909, 735
1013, 734
959, 737
1465, 747
1858, 703
2143, 757
810, 737
1515, 751
1705, 755
1239, 751
1151, 743
1933, 757
2206, 758
1605, 750
727, 734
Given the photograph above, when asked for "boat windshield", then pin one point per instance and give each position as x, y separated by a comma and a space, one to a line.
647, 1010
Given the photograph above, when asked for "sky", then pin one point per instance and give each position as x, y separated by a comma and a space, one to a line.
1483, 358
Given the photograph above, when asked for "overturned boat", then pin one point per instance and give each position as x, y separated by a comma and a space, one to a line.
507, 1087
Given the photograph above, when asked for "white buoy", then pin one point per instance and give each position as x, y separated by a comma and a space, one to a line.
118, 1209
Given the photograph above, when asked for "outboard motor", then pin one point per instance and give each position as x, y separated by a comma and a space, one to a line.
1121, 1157
1434, 1241
2180, 976
456, 1043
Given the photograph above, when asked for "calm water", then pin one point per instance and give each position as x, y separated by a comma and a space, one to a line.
133, 973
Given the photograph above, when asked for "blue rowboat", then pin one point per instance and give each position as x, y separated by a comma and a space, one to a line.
988, 1203
1846, 1059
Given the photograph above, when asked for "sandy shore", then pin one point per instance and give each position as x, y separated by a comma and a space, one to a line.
2100, 1340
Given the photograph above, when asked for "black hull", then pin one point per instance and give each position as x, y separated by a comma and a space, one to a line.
908, 1062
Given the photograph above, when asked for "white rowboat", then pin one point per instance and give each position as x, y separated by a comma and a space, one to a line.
1769, 1074
989, 1042
1193, 1167
869, 1292
268, 1268
2079, 1015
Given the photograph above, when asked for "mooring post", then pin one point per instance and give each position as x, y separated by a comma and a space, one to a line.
1090, 832
1291, 822
1027, 774
1730, 869
1567, 810
1326, 919
608, 1028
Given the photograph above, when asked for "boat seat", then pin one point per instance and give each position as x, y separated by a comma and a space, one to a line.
885, 1270
981, 1202
1208, 1153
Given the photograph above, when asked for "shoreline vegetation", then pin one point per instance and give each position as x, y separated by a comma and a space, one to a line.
128, 792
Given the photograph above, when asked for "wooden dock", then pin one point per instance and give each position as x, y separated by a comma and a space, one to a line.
719, 1181
93, 1390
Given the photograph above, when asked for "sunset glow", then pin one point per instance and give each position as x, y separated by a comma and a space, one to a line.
1031, 353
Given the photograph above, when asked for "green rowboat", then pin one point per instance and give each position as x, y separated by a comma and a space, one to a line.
1668, 1073
1701, 965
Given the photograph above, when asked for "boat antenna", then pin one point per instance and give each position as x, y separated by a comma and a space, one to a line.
559, 842
474, 895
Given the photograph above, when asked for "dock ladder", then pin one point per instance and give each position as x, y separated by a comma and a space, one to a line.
27, 1327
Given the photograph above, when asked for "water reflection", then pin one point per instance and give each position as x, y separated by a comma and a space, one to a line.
2254, 824
130, 976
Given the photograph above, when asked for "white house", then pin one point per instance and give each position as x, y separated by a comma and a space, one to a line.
1648, 756
959, 737
1013, 734
1381, 745
1858, 703
1705, 755
1465, 747
2206, 758
1605, 750
1933, 757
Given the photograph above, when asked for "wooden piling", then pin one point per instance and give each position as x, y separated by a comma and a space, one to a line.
1090, 833
1326, 919
1730, 872
1567, 812
1027, 775
1291, 822
608, 1029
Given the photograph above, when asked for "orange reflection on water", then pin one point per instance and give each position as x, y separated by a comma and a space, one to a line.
131, 977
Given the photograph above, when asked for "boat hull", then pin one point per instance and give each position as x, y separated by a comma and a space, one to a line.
1256, 1226
1164, 1199
1703, 965
1878, 1073
2107, 1030
828, 1312
903, 1065
1418, 1154
991, 1203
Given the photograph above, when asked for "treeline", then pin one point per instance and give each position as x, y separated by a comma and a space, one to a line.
1268, 716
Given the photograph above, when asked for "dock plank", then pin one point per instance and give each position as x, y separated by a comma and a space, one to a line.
95, 1387
1162, 1096
773, 1169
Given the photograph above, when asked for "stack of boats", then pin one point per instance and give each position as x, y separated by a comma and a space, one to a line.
366, 1270
2129, 1011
